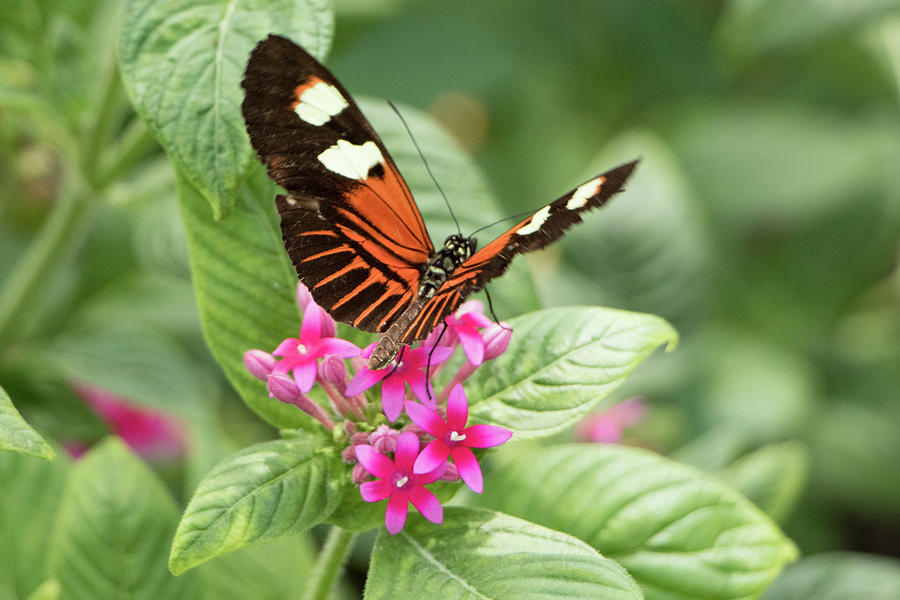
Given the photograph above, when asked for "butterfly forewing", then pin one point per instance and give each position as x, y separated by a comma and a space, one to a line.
349, 222
541, 228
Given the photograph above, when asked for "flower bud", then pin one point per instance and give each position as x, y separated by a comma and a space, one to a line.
451, 473
259, 363
333, 371
359, 474
282, 387
384, 439
496, 339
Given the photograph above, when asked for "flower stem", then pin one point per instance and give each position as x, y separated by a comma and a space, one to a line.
331, 559
61, 226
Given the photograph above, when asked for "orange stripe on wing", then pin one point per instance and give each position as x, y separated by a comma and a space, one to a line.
337, 250
356, 263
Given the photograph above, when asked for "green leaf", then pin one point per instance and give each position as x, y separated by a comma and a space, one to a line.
560, 363
838, 576
753, 27
262, 493
679, 533
482, 554
274, 571
134, 361
17, 435
772, 477
245, 287
182, 63
49, 590
29, 499
114, 529
856, 449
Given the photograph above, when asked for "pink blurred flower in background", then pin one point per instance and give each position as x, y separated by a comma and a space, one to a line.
606, 427
152, 434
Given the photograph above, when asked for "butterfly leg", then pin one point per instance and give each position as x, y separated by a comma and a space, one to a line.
487, 295
428, 362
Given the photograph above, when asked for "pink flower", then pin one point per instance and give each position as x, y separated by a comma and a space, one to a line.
300, 355
606, 427
464, 323
410, 370
149, 433
454, 439
397, 481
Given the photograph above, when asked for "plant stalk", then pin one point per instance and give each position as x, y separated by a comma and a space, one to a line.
330, 562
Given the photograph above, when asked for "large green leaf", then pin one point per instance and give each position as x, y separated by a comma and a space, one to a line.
182, 63
681, 534
772, 477
560, 363
482, 554
262, 493
838, 576
17, 435
29, 498
114, 530
274, 571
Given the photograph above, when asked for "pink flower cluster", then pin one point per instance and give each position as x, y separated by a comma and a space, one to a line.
436, 432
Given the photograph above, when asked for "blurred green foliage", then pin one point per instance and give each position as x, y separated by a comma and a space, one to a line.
763, 220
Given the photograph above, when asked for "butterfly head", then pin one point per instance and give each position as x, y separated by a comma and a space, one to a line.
459, 247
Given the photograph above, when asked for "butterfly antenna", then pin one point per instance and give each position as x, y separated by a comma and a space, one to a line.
521, 214
427, 168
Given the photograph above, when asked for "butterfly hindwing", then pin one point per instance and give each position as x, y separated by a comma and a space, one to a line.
349, 222
541, 228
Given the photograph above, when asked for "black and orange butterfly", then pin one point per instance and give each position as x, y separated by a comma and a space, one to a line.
349, 222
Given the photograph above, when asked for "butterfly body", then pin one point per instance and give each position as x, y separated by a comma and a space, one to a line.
349, 222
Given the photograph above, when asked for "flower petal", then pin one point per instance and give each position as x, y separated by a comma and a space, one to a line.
457, 409
472, 344
427, 419
374, 461
422, 389
363, 381
305, 374
342, 348
431, 457
418, 357
486, 436
427, 504
287, 347
373, 491
468, 467
395, 515
407, 450
311, 330
392, 390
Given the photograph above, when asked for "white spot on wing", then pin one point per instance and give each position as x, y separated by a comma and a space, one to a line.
318, 104
350, 160
583, 193
534, 225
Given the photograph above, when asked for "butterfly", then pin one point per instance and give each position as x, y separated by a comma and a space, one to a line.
349, 222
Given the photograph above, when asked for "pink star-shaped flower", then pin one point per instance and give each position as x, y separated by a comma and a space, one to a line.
397, 481
454, 439
300, 355
464, 323
410, 370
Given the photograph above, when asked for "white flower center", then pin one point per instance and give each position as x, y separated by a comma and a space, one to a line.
402, 481
301, 348
456, 437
